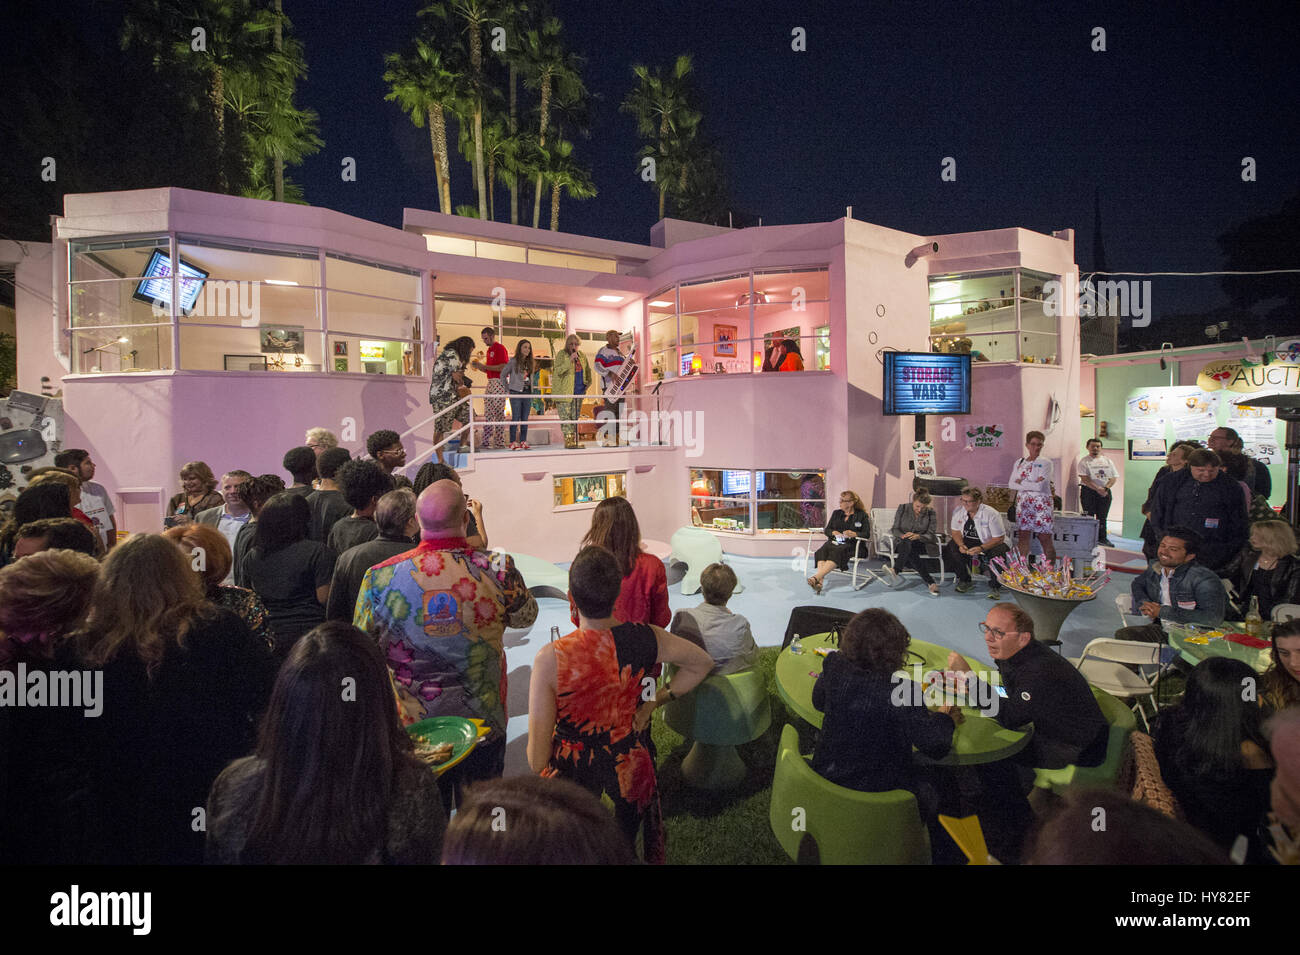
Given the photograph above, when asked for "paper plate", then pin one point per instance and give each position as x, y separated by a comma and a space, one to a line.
460, 732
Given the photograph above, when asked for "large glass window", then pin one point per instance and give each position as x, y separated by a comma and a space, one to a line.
995, 316
772, 320
746, 501
115, 327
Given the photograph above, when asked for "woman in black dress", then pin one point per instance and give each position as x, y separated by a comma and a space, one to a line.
849, 523
1266, 568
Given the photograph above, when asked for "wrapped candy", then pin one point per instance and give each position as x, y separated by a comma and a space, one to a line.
1045, 579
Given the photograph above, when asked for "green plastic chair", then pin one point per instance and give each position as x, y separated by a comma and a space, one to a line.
720, 714
848, 827
696, 548
1106, 776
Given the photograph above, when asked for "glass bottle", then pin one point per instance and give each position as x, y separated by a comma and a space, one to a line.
1254, 622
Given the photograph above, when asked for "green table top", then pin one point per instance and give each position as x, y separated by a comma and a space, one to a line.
1257, 657
978, 739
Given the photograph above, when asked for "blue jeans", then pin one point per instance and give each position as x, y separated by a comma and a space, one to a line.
519, 408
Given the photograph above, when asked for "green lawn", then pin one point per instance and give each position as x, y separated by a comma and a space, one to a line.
728, 828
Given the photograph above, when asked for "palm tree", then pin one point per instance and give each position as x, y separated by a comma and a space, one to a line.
550, 70
566, 175
515, 16
662, 106
422, 83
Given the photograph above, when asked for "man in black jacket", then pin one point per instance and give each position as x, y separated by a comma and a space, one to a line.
1257, 476
1204, 499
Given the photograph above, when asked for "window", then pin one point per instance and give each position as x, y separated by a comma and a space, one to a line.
746, 501
114, 329
995, 316
587, 489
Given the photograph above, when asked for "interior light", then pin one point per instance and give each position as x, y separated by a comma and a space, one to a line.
660, 304
280, 282
610, 298
758, 361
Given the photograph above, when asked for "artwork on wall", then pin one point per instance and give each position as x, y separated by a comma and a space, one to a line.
277, 339
244, 362
725, 340
587, 489
340, 364
771, 338
341, 348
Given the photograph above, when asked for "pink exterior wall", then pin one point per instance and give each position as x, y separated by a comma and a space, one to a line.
34, 316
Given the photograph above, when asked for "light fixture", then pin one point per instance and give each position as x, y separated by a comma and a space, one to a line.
107, 345
751, 298
610, 298
660, 304
696, 364
280, 282
758, 361
1163, 347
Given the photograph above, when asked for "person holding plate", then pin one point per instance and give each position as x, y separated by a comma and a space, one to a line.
1031, 479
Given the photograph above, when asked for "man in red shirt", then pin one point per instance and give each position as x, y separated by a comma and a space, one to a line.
494, 436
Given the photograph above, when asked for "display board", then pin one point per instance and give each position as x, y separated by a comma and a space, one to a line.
926, 383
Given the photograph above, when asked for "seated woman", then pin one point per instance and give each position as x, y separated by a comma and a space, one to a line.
587, 715
335, 779
212, 569
914, 527
289, 572
848, 523
185, 683
643, 597
556, 823
1267, 568
1213, 755
1280, 684
867, 737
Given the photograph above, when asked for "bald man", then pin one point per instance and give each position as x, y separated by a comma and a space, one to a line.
440, 614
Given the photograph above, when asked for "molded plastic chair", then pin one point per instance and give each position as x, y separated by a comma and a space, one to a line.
1105, 776
859, 555
883, 543
720, 714
1285, 612
542, 577
696, 548
847, 827
1105, 664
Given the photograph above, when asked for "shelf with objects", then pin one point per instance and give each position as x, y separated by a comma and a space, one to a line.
748, 501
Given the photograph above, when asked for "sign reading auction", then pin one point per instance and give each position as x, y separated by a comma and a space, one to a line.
924, 383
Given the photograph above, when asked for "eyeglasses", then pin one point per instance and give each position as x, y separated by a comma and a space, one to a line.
985, 628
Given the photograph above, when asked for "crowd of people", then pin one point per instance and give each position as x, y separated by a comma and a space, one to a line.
260, 658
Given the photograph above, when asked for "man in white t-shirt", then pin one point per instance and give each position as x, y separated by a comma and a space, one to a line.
977, 533
1097, 476
230, 517
95, 500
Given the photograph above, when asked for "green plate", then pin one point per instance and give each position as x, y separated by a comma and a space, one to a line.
460, 732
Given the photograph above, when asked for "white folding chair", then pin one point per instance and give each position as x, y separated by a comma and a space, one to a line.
857, 562
1285, 612
885, 547
1105, 664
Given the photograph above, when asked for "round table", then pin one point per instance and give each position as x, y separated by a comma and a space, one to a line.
978, 739
1048, 613
1259, 658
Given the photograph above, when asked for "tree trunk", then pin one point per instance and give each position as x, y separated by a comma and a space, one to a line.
514, 131
492, 186
476, 59
555, 206
541, 141
279, 159
218, 96
442, 162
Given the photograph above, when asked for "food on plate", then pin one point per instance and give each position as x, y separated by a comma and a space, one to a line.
434, 753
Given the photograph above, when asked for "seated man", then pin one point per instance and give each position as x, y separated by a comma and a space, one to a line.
725, 635
1175, 588
977, 531
54, 533
1043, 688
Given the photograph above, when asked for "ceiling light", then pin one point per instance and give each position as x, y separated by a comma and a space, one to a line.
660, 304
279, 282
610, 298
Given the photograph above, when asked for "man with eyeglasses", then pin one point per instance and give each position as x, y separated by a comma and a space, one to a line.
1043, 688
385, 447
1038, 687
977, 532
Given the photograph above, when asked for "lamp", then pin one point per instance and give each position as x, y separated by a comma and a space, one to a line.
758, 361
1163, 347
751, 298
696, 364
117, 341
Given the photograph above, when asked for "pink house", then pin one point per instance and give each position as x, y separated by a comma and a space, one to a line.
285, 317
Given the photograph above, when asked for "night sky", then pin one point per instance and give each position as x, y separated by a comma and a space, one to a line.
1035, 120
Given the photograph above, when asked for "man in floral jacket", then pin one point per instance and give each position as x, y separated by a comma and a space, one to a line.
439, 613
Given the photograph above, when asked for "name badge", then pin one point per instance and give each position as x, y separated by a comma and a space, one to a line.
1187, 604
1211, 522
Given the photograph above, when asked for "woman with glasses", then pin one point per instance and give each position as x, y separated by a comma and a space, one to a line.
848, 524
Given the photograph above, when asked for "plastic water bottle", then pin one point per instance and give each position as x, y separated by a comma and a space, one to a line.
555, 634
795, 646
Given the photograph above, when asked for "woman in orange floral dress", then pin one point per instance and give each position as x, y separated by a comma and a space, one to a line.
591, 698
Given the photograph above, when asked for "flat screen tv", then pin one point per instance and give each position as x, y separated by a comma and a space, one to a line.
926, 383
687, 358
737, 482
155, 286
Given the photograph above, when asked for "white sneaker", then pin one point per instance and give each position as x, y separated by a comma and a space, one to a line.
892, 575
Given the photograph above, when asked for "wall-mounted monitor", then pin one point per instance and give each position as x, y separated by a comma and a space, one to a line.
737, 482
926, 383
687, 358
155, 286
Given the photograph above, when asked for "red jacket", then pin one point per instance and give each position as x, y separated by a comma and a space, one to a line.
644, 596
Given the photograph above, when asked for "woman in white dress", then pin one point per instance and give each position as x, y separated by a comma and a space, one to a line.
1031, 479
